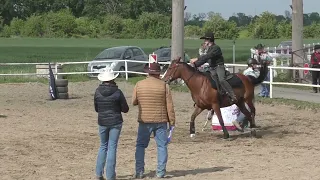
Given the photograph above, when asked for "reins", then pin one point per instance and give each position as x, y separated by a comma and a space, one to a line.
176, 68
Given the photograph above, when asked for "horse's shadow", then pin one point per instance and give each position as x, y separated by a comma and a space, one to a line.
182, 173
260, 132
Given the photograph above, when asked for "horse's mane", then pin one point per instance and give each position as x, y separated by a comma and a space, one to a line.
190, 68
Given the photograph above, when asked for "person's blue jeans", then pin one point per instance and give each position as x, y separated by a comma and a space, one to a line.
109, 136
143, 138
265, 88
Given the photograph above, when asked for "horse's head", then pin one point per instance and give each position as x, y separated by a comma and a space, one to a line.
174, 70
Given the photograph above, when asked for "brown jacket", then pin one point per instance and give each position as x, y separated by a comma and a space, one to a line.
155, 102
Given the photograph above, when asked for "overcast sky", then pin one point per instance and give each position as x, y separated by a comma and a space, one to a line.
249, 7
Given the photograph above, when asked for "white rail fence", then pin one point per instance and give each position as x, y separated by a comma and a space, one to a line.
283, 53
287, 49
271, 82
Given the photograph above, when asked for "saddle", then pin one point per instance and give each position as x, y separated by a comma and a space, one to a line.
231, 78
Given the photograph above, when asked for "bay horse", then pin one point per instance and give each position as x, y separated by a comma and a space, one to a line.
205, 94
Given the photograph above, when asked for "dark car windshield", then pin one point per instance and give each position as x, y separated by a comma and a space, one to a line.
111, 53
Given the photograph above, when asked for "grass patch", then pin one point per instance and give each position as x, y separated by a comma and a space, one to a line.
42, 50
300, 105
274, 101
305, 88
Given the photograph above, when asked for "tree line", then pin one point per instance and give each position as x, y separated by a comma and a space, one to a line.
136, 19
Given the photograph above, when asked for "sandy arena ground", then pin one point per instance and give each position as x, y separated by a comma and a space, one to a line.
58, 140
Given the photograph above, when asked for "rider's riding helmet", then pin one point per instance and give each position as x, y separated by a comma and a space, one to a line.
252, 61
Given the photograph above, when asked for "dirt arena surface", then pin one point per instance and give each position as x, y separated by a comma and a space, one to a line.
58, 140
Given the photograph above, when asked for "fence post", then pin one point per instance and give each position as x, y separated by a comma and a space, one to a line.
309, 49
56, 69
271, 81
234, 55
126, 69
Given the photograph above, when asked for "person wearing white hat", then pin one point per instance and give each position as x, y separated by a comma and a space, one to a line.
109, 103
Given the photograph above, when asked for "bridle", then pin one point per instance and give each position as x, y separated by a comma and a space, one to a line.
173, 73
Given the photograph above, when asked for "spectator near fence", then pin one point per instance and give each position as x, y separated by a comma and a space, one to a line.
153, 97
315, 63
263, 56
109, 102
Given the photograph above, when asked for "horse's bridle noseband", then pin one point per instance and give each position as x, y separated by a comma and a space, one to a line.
172, 74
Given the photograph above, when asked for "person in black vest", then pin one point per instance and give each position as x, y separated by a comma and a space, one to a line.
216, 62
109, 102
315, 63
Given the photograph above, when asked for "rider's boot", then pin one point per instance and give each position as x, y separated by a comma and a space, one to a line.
229, 90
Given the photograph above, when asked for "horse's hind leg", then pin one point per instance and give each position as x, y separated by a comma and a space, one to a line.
195, 113
253, 112
244, 110
209, 118
216, 109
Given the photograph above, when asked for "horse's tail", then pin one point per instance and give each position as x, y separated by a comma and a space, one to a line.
262, 76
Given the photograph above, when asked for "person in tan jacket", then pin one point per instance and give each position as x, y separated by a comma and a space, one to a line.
156, 111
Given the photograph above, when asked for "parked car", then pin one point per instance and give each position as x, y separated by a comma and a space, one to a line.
118, 53
284, 46
164, 55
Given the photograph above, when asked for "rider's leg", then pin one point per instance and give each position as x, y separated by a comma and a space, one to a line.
221, 72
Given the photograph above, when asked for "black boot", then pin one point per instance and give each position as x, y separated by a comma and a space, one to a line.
226, 86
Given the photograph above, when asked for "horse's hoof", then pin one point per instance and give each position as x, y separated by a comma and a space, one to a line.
254, 134
228, 139
254, 127
192, 135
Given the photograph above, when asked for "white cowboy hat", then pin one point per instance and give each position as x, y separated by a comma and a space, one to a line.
108, 75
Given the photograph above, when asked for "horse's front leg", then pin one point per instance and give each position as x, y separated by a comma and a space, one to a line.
216, 109
195, 113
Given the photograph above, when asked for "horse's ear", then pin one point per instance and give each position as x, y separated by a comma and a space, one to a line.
176, 60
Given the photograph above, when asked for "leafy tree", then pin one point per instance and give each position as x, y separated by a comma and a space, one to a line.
196, 20
33, 27
87, 27
154, 25
312, 31
222, 28
284, 29
16, 26
59, 24
240, 19
131, 9
265, 27
192, 31
112, 26
314, 17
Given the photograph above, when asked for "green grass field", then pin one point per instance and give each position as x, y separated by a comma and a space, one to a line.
64, 50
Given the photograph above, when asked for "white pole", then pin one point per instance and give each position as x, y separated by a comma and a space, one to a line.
126, 69
56, 69
271, 81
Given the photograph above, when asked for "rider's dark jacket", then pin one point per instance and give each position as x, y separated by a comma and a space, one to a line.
213, 57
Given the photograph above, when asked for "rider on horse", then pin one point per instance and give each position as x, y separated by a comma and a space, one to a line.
216, 62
